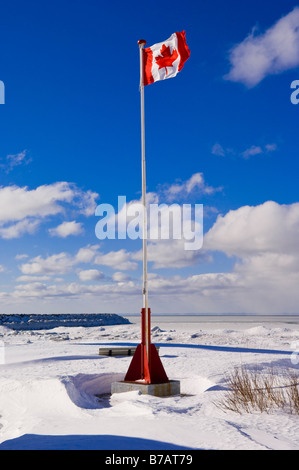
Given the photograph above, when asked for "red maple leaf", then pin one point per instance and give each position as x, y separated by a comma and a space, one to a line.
166, 58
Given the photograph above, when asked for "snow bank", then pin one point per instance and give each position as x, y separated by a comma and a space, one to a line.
85, 389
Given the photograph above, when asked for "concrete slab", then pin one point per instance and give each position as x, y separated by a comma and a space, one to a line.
159, 390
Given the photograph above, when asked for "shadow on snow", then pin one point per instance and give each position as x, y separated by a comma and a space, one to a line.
85, 442
207, 347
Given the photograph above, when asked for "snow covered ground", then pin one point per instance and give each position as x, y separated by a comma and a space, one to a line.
55, 388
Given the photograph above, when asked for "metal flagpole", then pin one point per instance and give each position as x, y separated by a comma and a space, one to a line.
146, 364
141, 44
146, 367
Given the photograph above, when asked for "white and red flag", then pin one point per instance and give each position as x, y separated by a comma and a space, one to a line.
166, 59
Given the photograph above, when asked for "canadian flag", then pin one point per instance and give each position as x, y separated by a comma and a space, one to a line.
166, 59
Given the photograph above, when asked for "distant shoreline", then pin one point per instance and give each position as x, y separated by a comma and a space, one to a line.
220, 318
272, 315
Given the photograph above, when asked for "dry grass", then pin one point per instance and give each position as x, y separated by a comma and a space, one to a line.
251, 390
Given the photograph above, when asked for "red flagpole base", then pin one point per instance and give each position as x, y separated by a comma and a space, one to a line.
151, 372
150, 369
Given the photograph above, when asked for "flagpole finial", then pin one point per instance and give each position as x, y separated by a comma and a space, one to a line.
141, 42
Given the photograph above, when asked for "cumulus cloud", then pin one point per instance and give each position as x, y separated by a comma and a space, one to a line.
90, 275
18, 203
86, 254
171, 254
20, 228
272, 52
27, 278
184, 188
84, 201
266, 228
23, 209
120, 277
67, 228
72, 290
120, 260
63, 263
262, 240
174, 235
58, 263
220, 292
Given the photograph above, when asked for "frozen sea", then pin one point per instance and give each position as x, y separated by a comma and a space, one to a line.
212, 321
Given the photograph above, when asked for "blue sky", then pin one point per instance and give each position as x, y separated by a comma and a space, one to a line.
70, 139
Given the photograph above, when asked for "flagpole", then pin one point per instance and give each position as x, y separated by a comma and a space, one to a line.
146, 333
146, 365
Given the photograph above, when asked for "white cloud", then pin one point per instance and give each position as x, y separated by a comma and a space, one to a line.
171, 254
161, 254
163, 250
270, 147
223, 292
120, 277
265, 241
269, 227
272, 52
18, 203
73, 290
217, 149
20, 228
257, 150
14, 160
21, 256
85, 201
198, 285
184, 188
67, 228
23, 209
27, 278
90, 275
121, 260
264, 279
58, 263
129, 219
86, 254
253, 150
